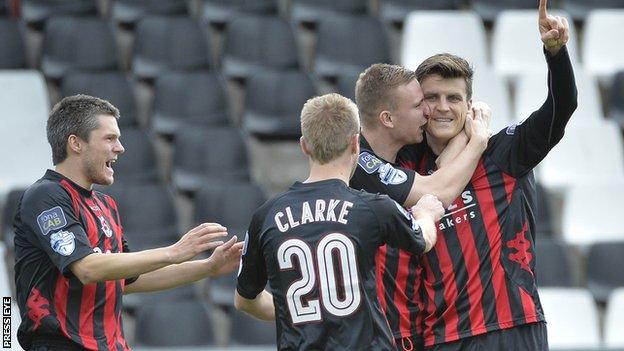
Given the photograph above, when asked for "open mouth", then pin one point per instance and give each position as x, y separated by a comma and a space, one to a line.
109, 165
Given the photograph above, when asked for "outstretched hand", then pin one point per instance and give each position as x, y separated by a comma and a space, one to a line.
226, 257
554, 30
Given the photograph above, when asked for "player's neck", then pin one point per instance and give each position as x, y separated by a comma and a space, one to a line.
331, 170
72, 170
436, 145
383, 145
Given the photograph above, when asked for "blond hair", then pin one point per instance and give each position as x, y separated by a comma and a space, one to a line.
327, 124
374, 90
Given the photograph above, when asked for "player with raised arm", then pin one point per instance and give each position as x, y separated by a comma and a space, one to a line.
316, 243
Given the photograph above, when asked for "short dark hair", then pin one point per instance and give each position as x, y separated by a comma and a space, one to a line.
447, 66
75, 115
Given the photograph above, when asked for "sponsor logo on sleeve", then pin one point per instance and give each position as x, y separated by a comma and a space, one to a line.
369, 162
391, 176
51, 219
62, 242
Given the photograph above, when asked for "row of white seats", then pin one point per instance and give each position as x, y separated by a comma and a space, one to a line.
516, 45
573, 322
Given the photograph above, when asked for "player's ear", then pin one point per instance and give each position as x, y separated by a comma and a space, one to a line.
355, 144
385, 118
304, 147
74, 143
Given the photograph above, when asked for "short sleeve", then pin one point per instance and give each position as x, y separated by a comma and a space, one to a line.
252, 276
378, 176
398, 227
126, 248
51, 224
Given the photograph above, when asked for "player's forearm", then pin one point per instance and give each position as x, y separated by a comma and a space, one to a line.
261, 307
170, 277
429, 232
98, 267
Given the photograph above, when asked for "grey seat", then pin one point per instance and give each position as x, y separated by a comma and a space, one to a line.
12, 50
604, 273
189, 99
312, 11
273, 103
77, 44
207, 155
395, 10
489, 9
553, 263
367, 44
254, 43
579, 9
114, 86
138, 163
247, 330
128, 12
35, 12
169, 43
221, 12
174, 323
9, 208
345, 84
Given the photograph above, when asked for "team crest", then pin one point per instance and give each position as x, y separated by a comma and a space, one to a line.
51, 219
62, 242
391, 176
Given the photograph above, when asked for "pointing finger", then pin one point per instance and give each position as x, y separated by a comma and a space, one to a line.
542, 9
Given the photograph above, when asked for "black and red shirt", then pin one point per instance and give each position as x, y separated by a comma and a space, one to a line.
57, 223
480, 275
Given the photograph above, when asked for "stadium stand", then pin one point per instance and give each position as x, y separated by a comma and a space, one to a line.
345, 84
579, 9
553, 263
76, 44
166, 43
247, 330
514, 52
128, 12
603, 49
488, 86
570, 328
312, 11
148, 215
132, 302
368, 44
395, 10
603, 268
205, 155
187, 100
25, 108
273, 103
614, 320
12, 52
174, 323
616, 99
138, 163
35, 12
490, 9
8, 213
113, 86
543, 214
220, 12
255, 43
4, 7
463, 35
592, 209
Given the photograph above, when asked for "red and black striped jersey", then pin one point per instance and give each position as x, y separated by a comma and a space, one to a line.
480, 275
57, 223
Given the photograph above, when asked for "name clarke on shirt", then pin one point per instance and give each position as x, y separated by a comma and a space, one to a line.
323, 212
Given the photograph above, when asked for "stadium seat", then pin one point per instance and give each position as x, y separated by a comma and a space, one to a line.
579, 9
132, 302
25, 108
603, 51
77, 44
220, 12
174, 323
592, 210
273, 103
463, 35
115, 87
616, 99
312, 11
148, 215
345, 84
12, 51
255, 43
4, 7
614, 320
37, 11
489, 9
247, 330
169, 43
543, 215
603, 267
189, 99
138, 163
9, 209
553, 264
531, 90
223, 156
394, 11
572, 318
367, 44
128, 12
516, 44
489, 87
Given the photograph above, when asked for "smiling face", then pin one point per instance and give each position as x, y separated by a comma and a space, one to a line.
449, 105
101, 150
409, 113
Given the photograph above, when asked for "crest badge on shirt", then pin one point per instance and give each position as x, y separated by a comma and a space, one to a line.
391, 176
62, 242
